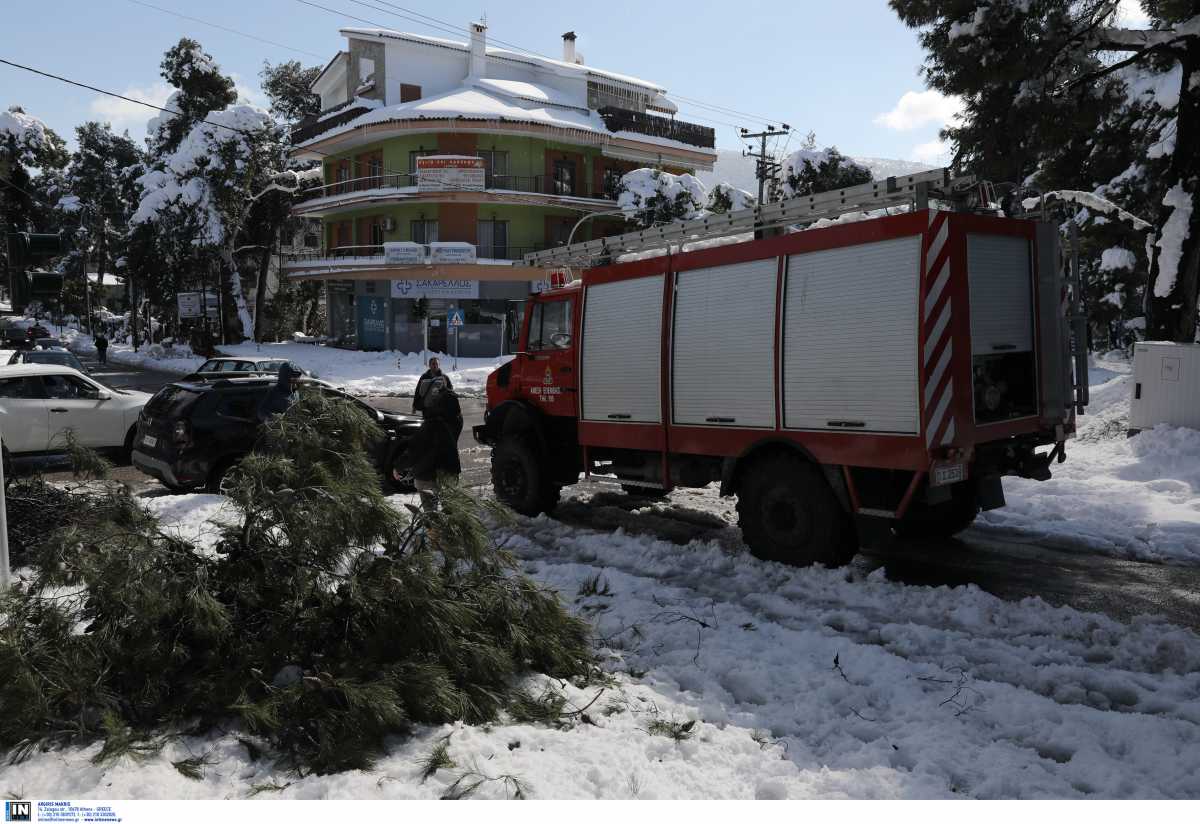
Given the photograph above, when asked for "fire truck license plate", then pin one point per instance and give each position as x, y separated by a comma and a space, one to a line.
949, 474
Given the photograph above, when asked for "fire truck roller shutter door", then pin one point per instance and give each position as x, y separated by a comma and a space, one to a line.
622, 346
850, 338
724, 344
1001, 294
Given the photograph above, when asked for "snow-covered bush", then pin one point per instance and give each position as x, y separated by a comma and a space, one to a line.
724, 198
651, 196
809, 170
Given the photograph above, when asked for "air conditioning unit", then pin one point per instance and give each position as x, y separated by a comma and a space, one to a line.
389, 224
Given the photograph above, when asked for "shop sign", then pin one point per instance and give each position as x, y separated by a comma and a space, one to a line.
449, 289
455, 173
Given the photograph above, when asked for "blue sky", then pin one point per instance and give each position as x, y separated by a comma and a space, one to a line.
847, 70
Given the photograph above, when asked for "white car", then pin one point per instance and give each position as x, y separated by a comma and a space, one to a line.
39, 402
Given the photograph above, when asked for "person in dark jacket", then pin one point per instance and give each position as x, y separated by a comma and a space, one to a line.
278, 397
425, 382
433, 451
102, 348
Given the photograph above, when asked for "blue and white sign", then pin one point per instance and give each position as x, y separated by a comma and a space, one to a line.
454, 318
446, 289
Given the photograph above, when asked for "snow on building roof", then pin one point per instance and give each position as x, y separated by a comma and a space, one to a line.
474, 104
557, 66
531, 92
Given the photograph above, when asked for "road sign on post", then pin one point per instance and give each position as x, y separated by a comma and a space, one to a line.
454, 319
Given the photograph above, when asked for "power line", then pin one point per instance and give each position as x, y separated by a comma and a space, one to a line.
224, 28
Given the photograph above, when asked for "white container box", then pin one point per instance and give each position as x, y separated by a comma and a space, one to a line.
1166, 385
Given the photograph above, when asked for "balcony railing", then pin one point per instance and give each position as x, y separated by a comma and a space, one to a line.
313, 125
530, 184
358, 184
625, 120
373, 254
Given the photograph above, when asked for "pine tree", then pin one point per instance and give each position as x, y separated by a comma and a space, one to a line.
288, 86
1042, 108
324, 620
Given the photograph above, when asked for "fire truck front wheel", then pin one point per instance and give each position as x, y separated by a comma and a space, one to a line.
789, 514
520, 478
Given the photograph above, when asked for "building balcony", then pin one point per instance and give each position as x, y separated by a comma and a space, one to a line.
313, 125
494, 263
668, 128
405, 186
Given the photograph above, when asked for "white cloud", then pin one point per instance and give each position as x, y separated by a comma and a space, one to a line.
935, 152
1129, 13
916, 109
252, 95
122, 114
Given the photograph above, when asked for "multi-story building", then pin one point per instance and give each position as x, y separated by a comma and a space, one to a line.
444, 143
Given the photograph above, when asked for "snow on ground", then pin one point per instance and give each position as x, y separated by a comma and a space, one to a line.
1135, 498
780, 683
359, 373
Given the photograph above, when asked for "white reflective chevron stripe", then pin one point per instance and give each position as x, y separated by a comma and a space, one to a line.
949, 436
935, 377
936, 333
935, 421
939, 285
935, 246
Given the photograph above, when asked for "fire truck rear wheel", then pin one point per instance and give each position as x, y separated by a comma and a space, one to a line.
519, 478
648, 492
942, 520
789, 514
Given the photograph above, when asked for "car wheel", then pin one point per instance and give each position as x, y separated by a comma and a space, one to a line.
217, 475
788, 513
396, 479
519, 478
126, 454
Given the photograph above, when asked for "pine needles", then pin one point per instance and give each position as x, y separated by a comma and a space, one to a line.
325, 621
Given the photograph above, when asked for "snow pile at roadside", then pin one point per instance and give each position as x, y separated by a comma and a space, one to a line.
736, 678
1135, 498
148, 356
373, 373
359, 373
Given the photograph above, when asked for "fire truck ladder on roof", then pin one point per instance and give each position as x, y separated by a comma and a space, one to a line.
916, 189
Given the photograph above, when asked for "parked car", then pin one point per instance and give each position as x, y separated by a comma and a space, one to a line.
59, 357
39, 402
35, 332
227, 367
15, 330
192, 432
50, 343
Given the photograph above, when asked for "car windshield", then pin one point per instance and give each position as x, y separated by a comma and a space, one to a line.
171, 399
54, 356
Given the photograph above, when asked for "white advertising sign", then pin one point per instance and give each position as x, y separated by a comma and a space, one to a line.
451, 252
191, 307
450, 289
403, 253
440, 173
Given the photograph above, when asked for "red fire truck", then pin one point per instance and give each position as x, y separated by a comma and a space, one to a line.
845, 383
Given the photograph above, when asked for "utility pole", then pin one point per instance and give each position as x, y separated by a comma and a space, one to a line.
766, 166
